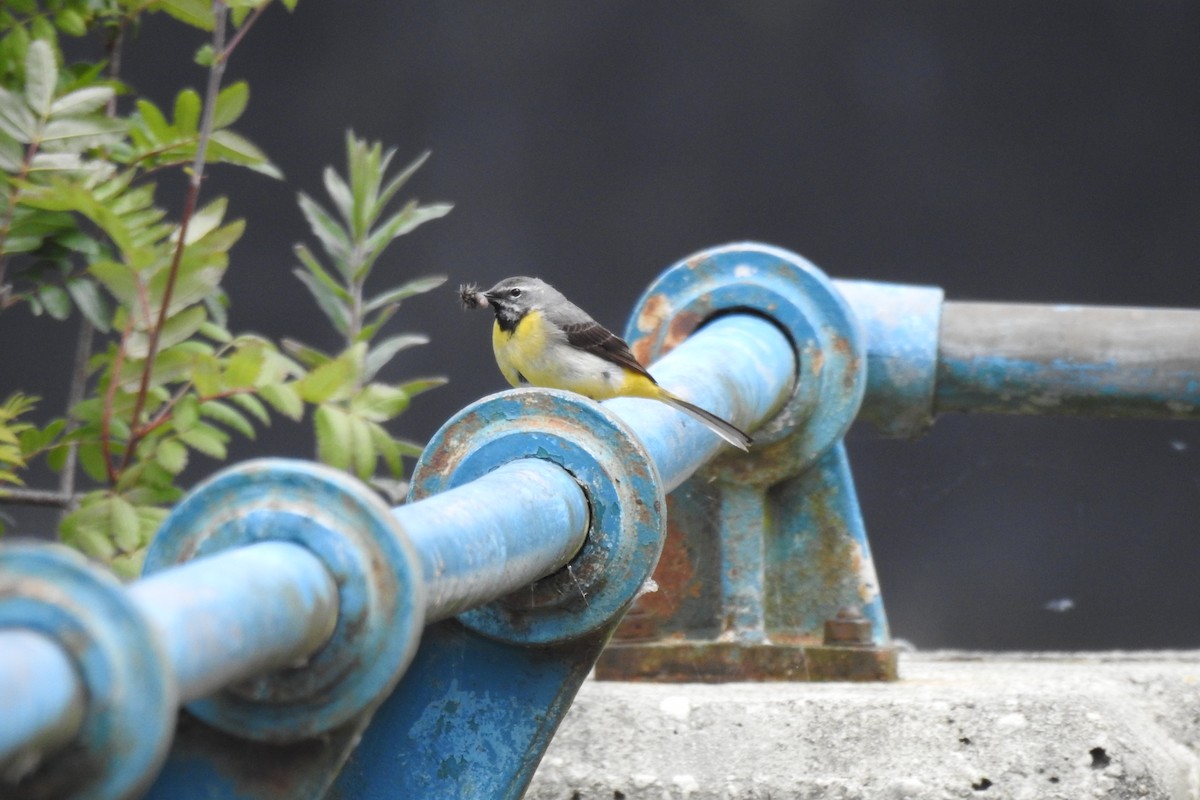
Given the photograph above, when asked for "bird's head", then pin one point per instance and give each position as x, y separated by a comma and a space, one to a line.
513, 298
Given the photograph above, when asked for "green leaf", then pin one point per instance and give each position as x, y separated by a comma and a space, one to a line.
206, 220
71, 22
123, 523
415, 287
253, 406
387, 449
284, 398
419, 385
82, 101
340, 193
385, 351
76, 134
245, 367
214, 331
404, 221
362, 449
90, 303
397, 182
178, 328
205, 55
206, 375
228, 146
172, 456
408, 448
187, 112
333, 380
197, 13
379, 402
87, 530
91, 458
314, 266
231, 102
334, 438
186, 413
41, 76
55, 300
333, 238
155, 122
228, 416
206, 439
327, 300
16, 120
308, 356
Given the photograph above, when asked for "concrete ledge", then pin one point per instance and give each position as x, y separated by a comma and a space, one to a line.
957, 725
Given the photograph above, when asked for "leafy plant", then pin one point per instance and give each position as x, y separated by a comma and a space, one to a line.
81, 229
352, 406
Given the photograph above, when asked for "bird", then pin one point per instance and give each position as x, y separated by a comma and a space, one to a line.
542, 338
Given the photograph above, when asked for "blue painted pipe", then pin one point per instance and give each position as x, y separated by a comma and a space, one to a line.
238, 613
41, 700
1083, 360
496, 534
739, 367
476, 542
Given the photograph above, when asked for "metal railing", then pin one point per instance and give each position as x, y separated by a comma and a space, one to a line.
324, 643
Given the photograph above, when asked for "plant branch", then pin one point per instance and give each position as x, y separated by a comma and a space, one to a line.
223, 55
37, 497
215, 72
83, 351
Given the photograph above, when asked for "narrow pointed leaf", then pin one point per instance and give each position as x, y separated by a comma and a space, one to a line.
253, 406
414, 287
328, 301
340, 193
308, 356
90, 303
362, 448
41, 76
387, 449
16, 120
228, 416
395, 184
385, 351
405, 221
82, 101
226, 145
332, 236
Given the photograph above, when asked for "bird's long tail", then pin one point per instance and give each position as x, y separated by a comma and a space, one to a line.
727, 431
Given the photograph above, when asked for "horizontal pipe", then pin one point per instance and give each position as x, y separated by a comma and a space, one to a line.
41, 700
238, 613
496, 534
477, 542
740, 367
1044, 359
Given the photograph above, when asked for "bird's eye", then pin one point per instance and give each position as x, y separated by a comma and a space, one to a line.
514, 292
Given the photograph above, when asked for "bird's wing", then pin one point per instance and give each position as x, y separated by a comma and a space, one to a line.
594, 338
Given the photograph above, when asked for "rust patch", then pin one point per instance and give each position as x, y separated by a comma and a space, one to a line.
656, 308
676, 579
816, 361
682, 326
724, 662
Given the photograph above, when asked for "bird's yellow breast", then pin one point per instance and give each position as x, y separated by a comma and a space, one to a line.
541, 355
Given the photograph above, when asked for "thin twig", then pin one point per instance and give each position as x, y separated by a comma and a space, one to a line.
215, 73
